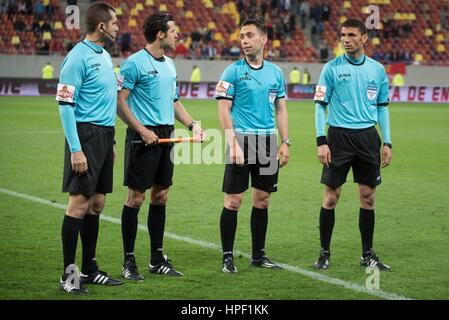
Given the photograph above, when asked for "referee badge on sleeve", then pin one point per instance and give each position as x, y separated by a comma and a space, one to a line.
320, 93
371, 92
120, 79
272, 95
222, 89
65, 93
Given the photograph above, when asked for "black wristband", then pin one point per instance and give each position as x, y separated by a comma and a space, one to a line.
388, 145
191, 125
321, 140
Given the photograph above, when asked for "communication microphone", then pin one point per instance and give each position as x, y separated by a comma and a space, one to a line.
109, 34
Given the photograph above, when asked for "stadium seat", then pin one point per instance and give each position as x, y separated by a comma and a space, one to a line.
15, 40
179, 4
139, 6
149, 3
163, 7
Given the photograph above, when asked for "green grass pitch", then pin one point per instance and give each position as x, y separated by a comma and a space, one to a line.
412, 216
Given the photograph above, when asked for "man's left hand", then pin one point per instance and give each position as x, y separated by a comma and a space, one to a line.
198, 132
283, 155
386, 156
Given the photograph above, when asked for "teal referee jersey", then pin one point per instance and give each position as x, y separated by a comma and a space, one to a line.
353, 91
253, 93
88, 82
153, 89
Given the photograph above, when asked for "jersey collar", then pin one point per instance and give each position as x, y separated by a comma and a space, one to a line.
93, 46
356, 62
252, 66
161, 59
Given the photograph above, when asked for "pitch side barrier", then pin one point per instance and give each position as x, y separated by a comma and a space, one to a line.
206, 90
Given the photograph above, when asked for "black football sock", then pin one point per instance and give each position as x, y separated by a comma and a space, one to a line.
129, 229
89, 236
228, 227
366, 226
327, 221
69, 235
259, 223
156, 226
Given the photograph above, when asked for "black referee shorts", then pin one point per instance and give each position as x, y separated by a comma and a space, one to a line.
356, 148
145, 166
261, 163
97, 143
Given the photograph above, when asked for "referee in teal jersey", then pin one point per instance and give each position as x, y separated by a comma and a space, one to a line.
251, 101
87, 95
149, 104
355, 89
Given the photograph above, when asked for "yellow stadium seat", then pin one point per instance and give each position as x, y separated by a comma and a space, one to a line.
441, 48
132, 23
233, 37
139, 6
276, 43
208, 4
134, 12
163, 7
47, 36
118, 11
440, 37
365, 10
149, 3
177, 29
418, 57
346, 4
46, 2
15, 40
232, 8
218, 36
224, 9
211, 25
189, 14
58, 25
342, 19
375, 41
179, 4
428, 32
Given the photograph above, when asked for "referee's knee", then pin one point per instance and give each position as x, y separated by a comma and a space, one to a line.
233, 201
135, 199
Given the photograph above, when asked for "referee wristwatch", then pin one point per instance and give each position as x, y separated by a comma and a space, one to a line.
287, 141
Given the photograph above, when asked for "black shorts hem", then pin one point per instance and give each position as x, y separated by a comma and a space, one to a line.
333, 186
269, 190
234, 191
368, 183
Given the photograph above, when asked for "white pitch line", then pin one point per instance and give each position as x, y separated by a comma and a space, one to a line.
209, 245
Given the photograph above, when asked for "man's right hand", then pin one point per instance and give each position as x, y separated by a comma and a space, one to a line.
236, 154
149, 137
79, 163
324, 154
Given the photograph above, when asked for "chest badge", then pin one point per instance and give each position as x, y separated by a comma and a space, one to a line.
371, 92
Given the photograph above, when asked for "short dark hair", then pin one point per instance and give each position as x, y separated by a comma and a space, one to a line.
96, 13
155, 23
355, 23
259, 23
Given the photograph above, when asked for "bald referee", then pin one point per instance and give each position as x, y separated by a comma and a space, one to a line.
355, 90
